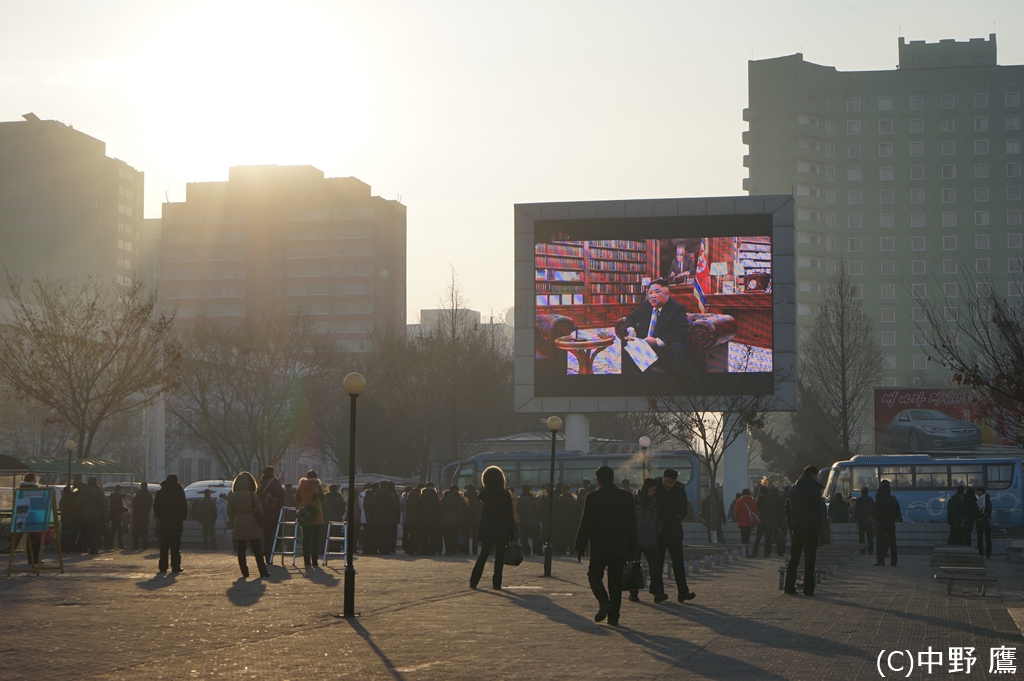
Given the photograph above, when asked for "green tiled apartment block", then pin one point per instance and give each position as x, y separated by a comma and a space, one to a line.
910, 176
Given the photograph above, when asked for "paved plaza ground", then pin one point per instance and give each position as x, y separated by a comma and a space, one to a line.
112, 617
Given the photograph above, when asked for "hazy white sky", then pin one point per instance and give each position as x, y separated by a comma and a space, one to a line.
461, 108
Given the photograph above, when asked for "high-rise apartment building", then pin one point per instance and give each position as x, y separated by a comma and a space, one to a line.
906, 176
286, 238
66, 209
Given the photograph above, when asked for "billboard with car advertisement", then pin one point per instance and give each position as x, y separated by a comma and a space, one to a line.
935, 420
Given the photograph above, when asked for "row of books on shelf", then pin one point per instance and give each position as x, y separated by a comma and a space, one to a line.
635, 256
558, 288
570, 263
609, 266
614, 277
615, 288
560, 299
609, 300
559, 249
619, 243
559, 275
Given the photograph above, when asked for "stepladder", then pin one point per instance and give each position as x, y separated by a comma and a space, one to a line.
335, 537
286, 537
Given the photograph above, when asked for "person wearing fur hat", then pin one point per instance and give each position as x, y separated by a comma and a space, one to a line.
310, 493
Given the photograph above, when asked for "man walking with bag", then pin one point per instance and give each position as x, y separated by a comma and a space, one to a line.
608, 525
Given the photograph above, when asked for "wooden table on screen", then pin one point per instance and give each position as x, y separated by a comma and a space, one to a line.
585, 349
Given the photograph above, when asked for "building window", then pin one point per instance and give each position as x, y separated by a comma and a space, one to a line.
885, 103
916, 172
917, 338
830, 220
947, 102
888, 314
830, 196
855, 244
949, 266
1012, 146
1014, 289
1013, 241
951, 314
1012, 99
830, 267
853, 175
888, 291
1013, 217
854, 221
1013, 193
1013, 265
917, 314
857, 291
917, 195
917, 243
1013, 122
917, 148
830, 173
887, 243
886, 220
888, 268
948, 147
980, 171
917, 266
981, 242
853, 151
919, 290
949, 289
917, 220
916, 126
830, 243
981, 194
948, 171
916, 102
885, 174
853, 196
949, 219
1013, 169
885, 126
982, 288
920, 362
830, 127
948, 195
981, 100
980, 147
888, 338
949, 243
948, 125
853, 104
884, 149
885, 196
981, 124
856, 268
852, 127
981, 218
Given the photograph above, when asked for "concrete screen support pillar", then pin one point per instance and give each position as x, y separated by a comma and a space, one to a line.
734, 465
156, 471
577, 432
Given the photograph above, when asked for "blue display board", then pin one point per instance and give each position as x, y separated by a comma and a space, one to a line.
32, 509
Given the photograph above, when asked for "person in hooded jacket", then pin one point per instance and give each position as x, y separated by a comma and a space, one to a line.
497, 525
529, 522
142, 505
647, 526
311, 493
805, 515
171, 510
887, 514
272, 496
453, 510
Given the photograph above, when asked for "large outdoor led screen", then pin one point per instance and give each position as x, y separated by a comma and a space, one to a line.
632, 307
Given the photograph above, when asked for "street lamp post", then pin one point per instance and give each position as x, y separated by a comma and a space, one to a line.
70, 446
353, 384
645, 442
554, 425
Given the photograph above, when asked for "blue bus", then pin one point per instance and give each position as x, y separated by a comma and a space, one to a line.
572, 467
923, 483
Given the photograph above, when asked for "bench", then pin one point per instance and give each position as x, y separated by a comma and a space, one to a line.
981, 581
820, 575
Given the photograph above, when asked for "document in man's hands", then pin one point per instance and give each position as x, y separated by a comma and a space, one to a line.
643, 354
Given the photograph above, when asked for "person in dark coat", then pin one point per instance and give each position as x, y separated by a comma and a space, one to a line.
171, 509
94, 514
387, 513
497, 525
369, 497
566, 522
838, 509
647, 526
412, 520
142, 504
271, 495
887, 514
430, 520
970, 518
334, 505
117, 509
608, 526
76, 519
712, 514
453, 516
984, 521
672, 503
206, 516
659, 321
805, 515
529, 522
864, 514
772, 521
955, 516
64, 509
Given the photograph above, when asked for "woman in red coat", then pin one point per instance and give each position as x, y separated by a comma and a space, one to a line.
747, 516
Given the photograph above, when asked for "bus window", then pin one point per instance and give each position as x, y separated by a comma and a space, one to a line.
466, 476
898, 476
931, 477
574, 472
999, 477
865, 476
534, 473
843, 480
632, 470
968, 476
681, 465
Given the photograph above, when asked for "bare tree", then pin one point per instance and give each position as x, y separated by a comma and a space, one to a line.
981, 342
86, 352
841, 361
245, 391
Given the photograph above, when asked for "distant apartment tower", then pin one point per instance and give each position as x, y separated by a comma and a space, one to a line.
66, 209
286, 238
907, 176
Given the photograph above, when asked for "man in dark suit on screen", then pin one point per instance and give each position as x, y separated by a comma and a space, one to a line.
609, 526
661, 323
